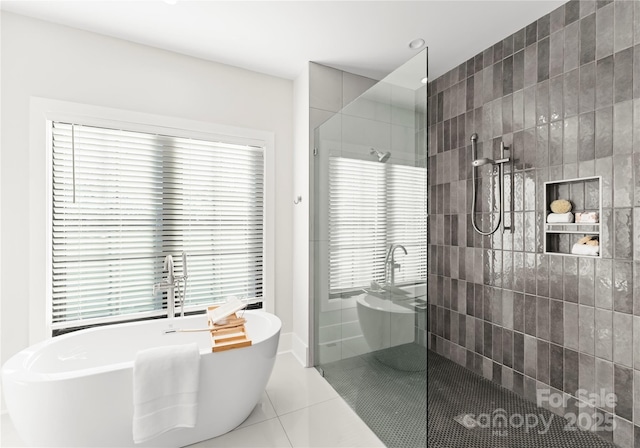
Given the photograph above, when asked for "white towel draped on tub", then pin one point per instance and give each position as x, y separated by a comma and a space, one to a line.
165, 390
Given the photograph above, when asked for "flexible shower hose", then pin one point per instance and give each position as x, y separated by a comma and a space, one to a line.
474, 200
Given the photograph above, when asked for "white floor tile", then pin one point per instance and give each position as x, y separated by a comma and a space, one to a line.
311, 415
263, 411
267, 434
328, 424
294, 387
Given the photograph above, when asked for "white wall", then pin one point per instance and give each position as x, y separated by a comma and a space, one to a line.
51, 61
300, 253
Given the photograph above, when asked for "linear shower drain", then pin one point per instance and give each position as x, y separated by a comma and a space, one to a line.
466, 420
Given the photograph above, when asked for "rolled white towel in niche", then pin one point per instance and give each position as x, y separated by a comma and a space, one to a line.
587, 217
560, 218
585, 249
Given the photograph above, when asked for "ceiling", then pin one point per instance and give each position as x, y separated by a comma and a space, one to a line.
369, 38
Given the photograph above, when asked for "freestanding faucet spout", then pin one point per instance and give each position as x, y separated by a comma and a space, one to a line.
390, 264
170, 284
168, 266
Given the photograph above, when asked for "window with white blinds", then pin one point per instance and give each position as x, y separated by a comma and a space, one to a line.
372, 205
122, 200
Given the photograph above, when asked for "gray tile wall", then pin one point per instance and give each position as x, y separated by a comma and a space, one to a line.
564, 94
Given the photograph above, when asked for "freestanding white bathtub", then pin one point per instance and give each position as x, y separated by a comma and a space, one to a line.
76, 390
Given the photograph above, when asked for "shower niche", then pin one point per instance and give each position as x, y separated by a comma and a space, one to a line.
577, 231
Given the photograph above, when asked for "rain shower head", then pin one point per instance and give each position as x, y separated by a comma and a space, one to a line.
482, 162
382, 157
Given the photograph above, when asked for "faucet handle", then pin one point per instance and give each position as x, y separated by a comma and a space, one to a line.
159, 287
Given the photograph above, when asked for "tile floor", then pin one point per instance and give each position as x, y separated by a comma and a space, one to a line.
298, 409
393, 400
455, 391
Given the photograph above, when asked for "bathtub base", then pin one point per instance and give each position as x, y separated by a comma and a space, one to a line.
387, 327
91, 403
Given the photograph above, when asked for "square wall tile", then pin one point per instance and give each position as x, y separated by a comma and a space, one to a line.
325, 85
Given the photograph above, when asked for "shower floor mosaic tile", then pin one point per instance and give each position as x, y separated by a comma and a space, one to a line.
390, 401
457, 396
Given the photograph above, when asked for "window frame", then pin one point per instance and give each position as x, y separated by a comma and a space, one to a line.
43, 111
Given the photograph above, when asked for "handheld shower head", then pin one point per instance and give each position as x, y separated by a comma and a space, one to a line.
382, 157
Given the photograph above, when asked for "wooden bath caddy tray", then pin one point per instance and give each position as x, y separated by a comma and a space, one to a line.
229, 334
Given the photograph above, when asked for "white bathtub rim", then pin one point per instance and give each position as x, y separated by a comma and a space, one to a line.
17, 368
382, 305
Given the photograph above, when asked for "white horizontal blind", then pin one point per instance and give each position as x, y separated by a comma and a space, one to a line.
357, 223
122, 200
372, 205
407, 220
